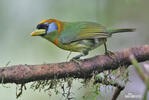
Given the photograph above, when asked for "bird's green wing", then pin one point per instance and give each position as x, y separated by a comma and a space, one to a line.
80, 31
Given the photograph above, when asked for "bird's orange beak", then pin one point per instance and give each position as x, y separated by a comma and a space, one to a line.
38, 32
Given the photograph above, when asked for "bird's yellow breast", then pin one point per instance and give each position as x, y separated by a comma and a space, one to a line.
80, 46
75, 46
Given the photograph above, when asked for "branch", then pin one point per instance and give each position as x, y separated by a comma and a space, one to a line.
118, 86
117, 92
21, 74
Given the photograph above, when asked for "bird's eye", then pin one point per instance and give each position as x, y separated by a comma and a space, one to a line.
42, 26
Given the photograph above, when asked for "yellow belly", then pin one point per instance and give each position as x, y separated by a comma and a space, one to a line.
80, 46
74, 47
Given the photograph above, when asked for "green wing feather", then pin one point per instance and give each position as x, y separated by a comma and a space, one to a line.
80, 31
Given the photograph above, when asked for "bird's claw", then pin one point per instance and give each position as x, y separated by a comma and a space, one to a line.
76, 61
109, 53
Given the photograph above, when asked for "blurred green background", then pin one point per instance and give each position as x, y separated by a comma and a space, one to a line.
18, 18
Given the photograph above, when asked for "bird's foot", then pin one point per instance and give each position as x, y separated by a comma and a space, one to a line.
109, 53
76, 61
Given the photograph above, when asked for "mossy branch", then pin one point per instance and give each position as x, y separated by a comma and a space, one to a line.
21, 74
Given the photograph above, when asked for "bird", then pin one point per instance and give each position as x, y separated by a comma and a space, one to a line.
81, 36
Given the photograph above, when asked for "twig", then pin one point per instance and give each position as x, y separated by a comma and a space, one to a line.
114, 83
117, 92
143, 75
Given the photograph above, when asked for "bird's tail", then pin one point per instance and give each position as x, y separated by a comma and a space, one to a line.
113, 31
